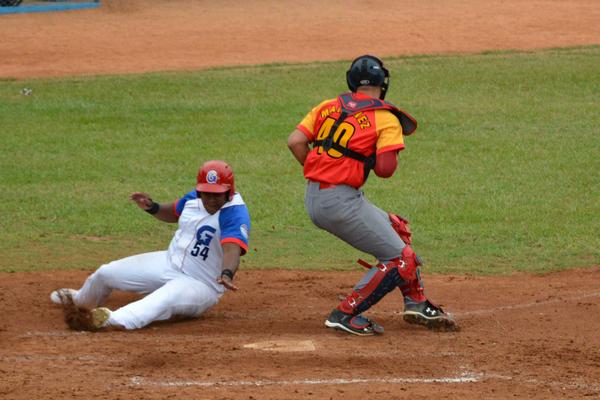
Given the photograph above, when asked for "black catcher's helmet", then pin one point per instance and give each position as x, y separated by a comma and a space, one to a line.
368, 71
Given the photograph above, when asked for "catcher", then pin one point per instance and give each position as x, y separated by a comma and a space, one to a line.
351, 135
183, 281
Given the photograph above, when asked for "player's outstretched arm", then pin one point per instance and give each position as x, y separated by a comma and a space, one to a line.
163, 212
231, 261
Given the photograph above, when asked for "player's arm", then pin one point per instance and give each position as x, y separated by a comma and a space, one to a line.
390, 141
163, 212
386, 163
231, 262
235, 229
298, 145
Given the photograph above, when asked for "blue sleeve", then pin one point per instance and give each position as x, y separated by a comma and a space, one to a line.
181, 202
235, 226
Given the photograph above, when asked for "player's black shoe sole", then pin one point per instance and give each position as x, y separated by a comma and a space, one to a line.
429, 315
356, 325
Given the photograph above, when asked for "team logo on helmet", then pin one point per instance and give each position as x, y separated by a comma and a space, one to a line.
212, 176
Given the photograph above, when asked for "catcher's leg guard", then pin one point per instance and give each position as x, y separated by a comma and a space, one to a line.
417, 308
413, 291
412, 286
385, 278
400, 225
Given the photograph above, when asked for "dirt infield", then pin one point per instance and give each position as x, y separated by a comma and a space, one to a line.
150, 35
522, 336
533, 337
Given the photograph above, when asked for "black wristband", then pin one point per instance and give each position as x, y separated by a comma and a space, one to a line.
153, 208
227, 272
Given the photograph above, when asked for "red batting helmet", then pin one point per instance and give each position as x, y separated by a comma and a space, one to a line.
215, 176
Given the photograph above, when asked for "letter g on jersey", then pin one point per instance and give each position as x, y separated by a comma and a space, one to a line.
204, 235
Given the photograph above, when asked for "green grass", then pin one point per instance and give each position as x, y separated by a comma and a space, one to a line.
502, 175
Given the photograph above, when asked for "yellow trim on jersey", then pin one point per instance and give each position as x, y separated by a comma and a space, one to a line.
309, 120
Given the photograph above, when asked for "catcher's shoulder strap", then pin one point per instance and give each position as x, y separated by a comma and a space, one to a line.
352, 106
349, 105
345, 112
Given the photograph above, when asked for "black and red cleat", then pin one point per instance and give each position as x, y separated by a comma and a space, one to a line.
428, 314
354, 324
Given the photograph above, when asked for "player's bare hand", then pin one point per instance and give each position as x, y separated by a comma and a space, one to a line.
227, 282
142, 200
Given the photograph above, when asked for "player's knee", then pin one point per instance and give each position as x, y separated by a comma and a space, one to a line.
189, 307
103, 275
408, 264
185, 297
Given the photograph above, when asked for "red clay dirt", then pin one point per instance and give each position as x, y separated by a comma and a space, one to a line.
133, 35
529, 336
525, 336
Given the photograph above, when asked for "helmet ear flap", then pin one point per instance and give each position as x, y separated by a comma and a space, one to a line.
385, 84
350, 82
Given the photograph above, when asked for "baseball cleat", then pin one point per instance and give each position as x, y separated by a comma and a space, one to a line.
58, 295
99, 317
428, 314
356, 325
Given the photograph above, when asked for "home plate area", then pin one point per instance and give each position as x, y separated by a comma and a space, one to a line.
283, 345
527, 340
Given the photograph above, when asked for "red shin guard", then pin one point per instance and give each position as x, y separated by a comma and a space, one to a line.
412, 286
413, 290
401, 272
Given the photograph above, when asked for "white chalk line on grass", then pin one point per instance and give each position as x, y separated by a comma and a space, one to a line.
463, 378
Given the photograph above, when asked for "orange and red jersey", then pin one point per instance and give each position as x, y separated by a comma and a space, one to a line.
365, 132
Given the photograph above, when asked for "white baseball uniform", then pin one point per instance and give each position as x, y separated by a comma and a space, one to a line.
181, 281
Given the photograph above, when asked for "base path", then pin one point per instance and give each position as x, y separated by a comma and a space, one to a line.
125, 36
523, 336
